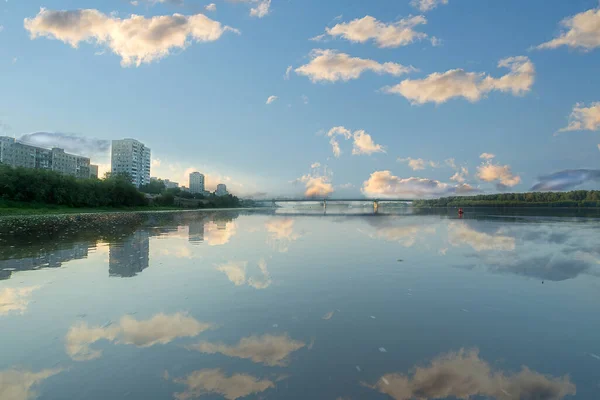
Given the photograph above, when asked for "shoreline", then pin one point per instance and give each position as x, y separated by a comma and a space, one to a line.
32, 212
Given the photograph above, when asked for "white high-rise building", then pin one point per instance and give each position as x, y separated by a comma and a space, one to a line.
131, 157
221, 190
196, 183
19, 154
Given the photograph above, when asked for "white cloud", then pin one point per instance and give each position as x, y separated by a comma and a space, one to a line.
20, 384
156, 162
363, 142
15, 300
1, 28
346, 186
580, 31
160, 329
441, 87
394, 34
464, 375
271, 99
212, 7
137, 40
317, 186
385, 185
288, 71
490, 172
304, 99
584, 118
261, 9
333, 133
270, 350
460, 176
333, 66
427, 5
487, 156
417, 164
134, 3
315, 165
209, 381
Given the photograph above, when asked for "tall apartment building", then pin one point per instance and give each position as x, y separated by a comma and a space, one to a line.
221, 190
196, 183
19, 154
131, 157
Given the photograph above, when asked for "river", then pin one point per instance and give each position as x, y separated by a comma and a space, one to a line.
301, 304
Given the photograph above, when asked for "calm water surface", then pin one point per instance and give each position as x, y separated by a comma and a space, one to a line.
295, 304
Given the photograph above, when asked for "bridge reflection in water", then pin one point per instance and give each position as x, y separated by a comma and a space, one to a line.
375, 204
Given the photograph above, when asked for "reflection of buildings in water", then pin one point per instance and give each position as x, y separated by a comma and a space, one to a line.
130, 257
221, 225
465, 375
196, 232
44, 259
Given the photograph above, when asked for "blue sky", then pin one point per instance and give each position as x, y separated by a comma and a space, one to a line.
203, 107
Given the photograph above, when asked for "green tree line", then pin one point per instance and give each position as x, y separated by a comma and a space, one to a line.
50, 187
22, 186
577, 198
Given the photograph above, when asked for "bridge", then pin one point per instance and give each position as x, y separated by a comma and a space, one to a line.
324, 202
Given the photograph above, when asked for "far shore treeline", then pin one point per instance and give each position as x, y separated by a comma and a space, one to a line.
24, 187
577, 198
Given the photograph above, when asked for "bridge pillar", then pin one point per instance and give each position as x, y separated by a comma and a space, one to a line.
375, 206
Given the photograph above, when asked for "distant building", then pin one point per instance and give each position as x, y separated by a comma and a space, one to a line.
170, 185
221, 190
93, 171
131, 157
19, 154
196, 183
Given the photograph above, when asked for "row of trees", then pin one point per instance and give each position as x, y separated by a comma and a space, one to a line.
24, 185
577, 198
49, 187
173, 196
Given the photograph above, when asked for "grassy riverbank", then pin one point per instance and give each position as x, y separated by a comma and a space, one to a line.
8, 208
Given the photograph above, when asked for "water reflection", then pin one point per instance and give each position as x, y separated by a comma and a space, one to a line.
281, 233
214, 381
236, 273
160, 329
21, 384
15, 300
464, 374
130, 256
269, 350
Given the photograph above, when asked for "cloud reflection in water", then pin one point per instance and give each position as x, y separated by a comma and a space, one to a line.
267, 349
464, 375
209, 381
160, 329
20, 384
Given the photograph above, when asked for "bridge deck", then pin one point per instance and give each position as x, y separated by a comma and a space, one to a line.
339, 200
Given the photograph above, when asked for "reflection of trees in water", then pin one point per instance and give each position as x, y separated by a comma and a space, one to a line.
31, 243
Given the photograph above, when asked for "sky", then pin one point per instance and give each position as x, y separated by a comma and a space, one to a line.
339, 98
